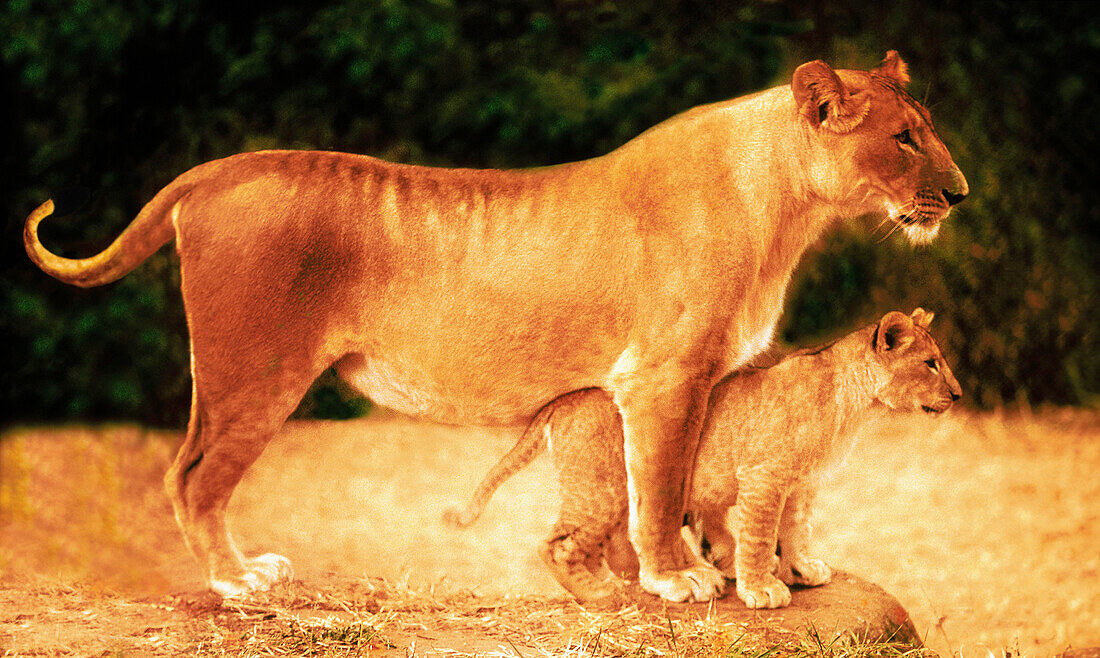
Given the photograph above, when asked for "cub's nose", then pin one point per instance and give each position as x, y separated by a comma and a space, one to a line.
952, 198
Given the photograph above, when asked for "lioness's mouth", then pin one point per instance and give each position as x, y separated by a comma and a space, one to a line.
935, 410
920, 216
927, 208
920, 231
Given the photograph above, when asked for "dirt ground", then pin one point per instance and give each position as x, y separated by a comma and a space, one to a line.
984, 526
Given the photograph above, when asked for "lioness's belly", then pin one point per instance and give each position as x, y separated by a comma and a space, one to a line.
473, 360
482, 359
400, 386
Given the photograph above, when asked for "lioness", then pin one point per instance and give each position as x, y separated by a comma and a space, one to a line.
476, 296
770, 436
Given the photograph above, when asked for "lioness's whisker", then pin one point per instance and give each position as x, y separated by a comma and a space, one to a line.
895, 227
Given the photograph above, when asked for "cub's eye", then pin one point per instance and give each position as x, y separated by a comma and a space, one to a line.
931, 363
905, 138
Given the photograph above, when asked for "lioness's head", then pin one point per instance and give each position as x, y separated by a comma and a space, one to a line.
918, 375
880, 143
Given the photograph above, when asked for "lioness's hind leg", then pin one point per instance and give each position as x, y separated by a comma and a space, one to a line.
224, 437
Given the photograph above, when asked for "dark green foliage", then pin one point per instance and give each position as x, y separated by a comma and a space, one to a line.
120, 97
331, 399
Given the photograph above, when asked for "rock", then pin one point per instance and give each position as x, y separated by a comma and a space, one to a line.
847, 605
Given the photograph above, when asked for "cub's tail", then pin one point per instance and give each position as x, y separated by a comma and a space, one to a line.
529, 446
150, 230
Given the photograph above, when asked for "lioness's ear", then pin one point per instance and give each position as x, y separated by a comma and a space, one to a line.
922, 318
823, 100
892, 67
894, 332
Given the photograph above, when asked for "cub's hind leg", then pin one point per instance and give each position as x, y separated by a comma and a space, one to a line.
797, 566
620, 555
720, 543
574, 555
587, 448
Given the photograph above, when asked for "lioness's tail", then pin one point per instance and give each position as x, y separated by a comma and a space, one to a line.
150, 230
529, 446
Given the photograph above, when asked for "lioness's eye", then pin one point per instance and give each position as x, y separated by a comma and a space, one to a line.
905, 138
931, 363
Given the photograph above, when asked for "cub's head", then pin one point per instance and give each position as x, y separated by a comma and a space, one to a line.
918, 376
876, 144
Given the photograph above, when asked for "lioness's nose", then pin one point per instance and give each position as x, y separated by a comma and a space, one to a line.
959, 188
955, 396
953, 198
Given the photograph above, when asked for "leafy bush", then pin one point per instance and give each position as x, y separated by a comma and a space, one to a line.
119, 98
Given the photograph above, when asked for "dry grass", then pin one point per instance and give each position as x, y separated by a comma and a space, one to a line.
984, 526
372, 616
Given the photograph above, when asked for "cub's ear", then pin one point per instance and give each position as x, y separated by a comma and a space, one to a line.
824, 101
921, 317
893, 333
894, 68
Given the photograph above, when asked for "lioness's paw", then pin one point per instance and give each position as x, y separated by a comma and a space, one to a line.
700, 582
768, 592
805, 571
259, 575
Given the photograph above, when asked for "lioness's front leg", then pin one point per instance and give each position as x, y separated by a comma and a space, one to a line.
661, 426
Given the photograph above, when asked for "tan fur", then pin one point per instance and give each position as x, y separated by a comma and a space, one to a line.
769, 439
476, 296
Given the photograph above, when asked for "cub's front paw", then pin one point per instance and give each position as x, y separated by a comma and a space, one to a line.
805, 571
701, 582
766, 592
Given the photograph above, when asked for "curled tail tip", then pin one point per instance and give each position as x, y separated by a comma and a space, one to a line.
30, 229
42, 211
146, 233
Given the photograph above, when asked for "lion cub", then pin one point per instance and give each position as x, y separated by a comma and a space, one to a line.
769, 438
